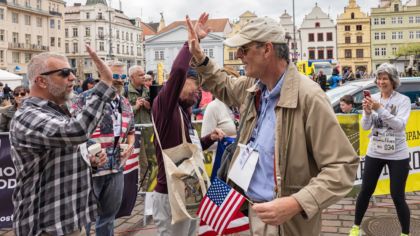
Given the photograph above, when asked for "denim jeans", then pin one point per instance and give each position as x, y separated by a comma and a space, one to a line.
108, 190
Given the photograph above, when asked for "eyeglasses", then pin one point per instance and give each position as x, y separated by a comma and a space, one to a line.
119, 76
243, 50
22, 94
64, 72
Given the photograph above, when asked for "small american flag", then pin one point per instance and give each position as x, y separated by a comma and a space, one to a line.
220, 205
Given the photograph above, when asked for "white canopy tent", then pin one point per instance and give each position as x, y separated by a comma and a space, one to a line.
12, 80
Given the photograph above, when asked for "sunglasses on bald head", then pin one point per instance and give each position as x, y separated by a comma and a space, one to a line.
63, 72
119, 76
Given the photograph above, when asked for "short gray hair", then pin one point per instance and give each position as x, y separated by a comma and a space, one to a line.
133, 69
392, 73
282, 51
38, 64
116, 63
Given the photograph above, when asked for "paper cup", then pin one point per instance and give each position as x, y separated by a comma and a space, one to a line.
95, 149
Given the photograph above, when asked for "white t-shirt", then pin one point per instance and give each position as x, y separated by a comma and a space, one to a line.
218, 115
390, 120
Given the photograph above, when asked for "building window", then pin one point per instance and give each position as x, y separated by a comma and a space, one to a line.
383, 35
16, 57
400, 20
52, 23
66, 46
28, 57
394, 35
376, 35
58, 24
347, 53
317, 25
382, 21
396, 7
394, 51
417, 34
132, 50
138, 51
394, 20
15, 18
347, 39
15, 37
38, 4
52, 42
27, 38
377, 52
117, 33
411, 19
320, 37
126, 36
359, 53
1, 35
329, 36
39, 40
320, 53
311, 37
131, 37
59, 42
87, 32
383, 51
39, 22
75, 32
347, 28
87, 15
27, 20
311, 54
352, 15
358, 27
330, 54
232, 56
376, 21
417, 19
400, 35
100, 16
66, 33
159, 55
75, 48
1, 56
1, 14
359, 39
101, 46
101, 32
28, 3
118, 49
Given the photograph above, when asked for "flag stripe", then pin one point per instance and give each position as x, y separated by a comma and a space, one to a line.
236, 206
224, 209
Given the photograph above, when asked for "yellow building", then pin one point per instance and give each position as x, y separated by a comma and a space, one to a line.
230, 58
394, 25
353, 39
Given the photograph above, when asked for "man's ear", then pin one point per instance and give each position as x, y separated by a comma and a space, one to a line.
41, 82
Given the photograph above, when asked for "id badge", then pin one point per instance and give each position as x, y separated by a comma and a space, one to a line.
244, 166
384, 142
117, 126
195, 139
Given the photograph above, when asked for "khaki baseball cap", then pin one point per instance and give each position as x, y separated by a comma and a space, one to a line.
261, 29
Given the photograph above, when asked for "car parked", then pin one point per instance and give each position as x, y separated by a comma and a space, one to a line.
410, 86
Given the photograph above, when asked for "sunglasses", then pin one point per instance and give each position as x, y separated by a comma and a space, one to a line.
64, 72
22, 94
243, 50
119, 76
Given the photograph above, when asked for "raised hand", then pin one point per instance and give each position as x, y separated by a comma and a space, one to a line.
201, 28
193, 43
103, 69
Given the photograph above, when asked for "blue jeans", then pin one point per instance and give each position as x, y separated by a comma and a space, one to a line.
108, 190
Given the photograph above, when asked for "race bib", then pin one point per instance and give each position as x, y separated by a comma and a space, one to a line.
384, 142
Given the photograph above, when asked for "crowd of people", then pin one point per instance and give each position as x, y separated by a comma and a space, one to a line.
305, 161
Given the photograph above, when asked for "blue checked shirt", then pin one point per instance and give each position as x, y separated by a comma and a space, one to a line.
53, 183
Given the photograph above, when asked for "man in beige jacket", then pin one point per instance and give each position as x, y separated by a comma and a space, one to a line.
305, 161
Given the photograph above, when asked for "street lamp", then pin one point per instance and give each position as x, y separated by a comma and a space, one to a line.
294, 59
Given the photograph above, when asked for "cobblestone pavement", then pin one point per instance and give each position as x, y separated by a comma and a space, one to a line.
336, 220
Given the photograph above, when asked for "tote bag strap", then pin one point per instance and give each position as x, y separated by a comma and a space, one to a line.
184, 139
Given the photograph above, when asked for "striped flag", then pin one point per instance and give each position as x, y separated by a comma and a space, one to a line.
220, 207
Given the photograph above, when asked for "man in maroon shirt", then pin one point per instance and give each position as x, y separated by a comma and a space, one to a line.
180, 91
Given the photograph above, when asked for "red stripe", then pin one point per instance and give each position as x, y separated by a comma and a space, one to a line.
131, 166
233, 198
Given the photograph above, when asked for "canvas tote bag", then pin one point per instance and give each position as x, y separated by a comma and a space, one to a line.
186, 177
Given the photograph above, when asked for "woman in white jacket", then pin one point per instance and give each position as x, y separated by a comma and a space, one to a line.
386, 113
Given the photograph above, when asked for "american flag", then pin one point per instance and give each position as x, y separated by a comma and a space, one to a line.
220, 206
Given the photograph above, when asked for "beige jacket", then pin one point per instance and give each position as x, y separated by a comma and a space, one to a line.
315, 162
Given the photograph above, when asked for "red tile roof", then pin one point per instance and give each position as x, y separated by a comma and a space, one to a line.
216, 25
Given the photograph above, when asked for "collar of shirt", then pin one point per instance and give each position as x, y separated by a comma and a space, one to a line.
275, 92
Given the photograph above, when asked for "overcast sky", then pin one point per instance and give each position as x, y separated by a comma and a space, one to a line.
174, 10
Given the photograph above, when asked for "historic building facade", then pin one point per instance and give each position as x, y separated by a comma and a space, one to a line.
353, 39
109, 31
27, 28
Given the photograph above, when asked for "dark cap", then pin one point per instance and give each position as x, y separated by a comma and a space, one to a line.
192, 73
